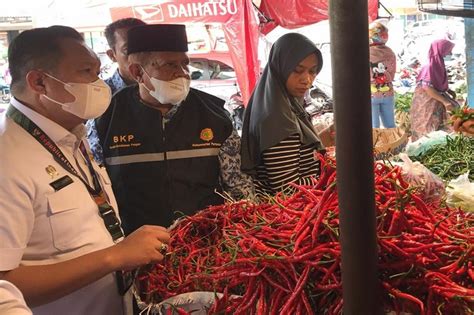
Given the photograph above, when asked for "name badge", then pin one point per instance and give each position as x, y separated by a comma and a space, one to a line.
61, 183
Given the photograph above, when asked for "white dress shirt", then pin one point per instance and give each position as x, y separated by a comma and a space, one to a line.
11, 300
39, 225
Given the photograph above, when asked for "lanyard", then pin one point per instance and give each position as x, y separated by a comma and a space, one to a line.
106, 211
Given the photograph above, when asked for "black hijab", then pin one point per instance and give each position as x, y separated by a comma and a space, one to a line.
273, 115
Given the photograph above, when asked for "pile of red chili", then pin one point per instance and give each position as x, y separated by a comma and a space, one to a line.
284, 257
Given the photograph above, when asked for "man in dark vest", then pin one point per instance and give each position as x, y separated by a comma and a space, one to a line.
169, 149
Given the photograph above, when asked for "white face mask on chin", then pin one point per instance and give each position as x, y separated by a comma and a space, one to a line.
169, 92
90, 99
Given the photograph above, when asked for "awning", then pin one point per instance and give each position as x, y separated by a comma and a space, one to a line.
298, 13
239, 21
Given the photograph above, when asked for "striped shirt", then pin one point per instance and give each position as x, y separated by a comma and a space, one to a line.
289, 161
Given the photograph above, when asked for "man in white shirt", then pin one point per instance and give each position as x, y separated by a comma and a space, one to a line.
60, 238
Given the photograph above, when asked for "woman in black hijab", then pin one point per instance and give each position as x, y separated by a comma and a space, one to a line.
278, 139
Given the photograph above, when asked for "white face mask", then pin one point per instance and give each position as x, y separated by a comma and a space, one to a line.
169, 92
91, 99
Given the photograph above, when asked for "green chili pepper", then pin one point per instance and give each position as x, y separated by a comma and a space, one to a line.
451, 159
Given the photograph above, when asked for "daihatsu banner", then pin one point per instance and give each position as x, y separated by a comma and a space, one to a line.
180, 11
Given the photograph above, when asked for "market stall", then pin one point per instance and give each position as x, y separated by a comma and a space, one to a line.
367, 234
284, 256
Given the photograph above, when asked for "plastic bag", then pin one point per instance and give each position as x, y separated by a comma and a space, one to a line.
460, 193
426, 142
416, 174
324, 127
196, 303
323, 122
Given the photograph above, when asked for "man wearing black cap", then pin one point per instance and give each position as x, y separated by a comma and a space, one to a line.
169, 150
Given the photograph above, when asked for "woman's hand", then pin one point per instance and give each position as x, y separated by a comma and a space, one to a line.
467, 127
463, 120
448, 105
464, 126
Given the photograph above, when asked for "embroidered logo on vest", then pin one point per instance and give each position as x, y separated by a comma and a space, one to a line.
124, 141
206, 134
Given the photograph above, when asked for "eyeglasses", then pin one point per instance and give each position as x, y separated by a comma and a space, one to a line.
171, 67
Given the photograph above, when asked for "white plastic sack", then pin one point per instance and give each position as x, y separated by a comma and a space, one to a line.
323, 122
417, 175
196, 303
460, 193
423, 144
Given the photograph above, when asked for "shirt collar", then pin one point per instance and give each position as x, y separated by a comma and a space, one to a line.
56, 132
167, 117
117, 81
169, 114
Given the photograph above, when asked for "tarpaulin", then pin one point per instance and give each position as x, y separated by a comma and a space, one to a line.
239, 22
297, 13
242, 35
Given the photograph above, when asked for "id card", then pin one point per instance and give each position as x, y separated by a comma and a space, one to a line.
61, 183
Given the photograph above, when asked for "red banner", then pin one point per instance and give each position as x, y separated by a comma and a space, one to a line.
178, 12
241, 34
297, 13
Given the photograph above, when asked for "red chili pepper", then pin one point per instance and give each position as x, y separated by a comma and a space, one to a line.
251, 274
470, 270
182, 311
299, 287
276, 303
274, 283
331, 270
338, 308
322, 211
252, 297
405, 296
301, 238
262, 303
262, 252
392, 248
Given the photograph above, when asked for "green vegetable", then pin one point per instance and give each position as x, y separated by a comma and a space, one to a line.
450, 160
462, 89
403, 102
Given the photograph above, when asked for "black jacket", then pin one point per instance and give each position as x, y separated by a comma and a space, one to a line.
159, 171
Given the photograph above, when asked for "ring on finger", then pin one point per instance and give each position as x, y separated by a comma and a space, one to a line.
163, 248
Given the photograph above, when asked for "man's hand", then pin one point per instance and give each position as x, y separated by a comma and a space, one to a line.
42, 284
140, 248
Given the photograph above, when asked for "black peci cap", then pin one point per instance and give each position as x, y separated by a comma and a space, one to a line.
157, 37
